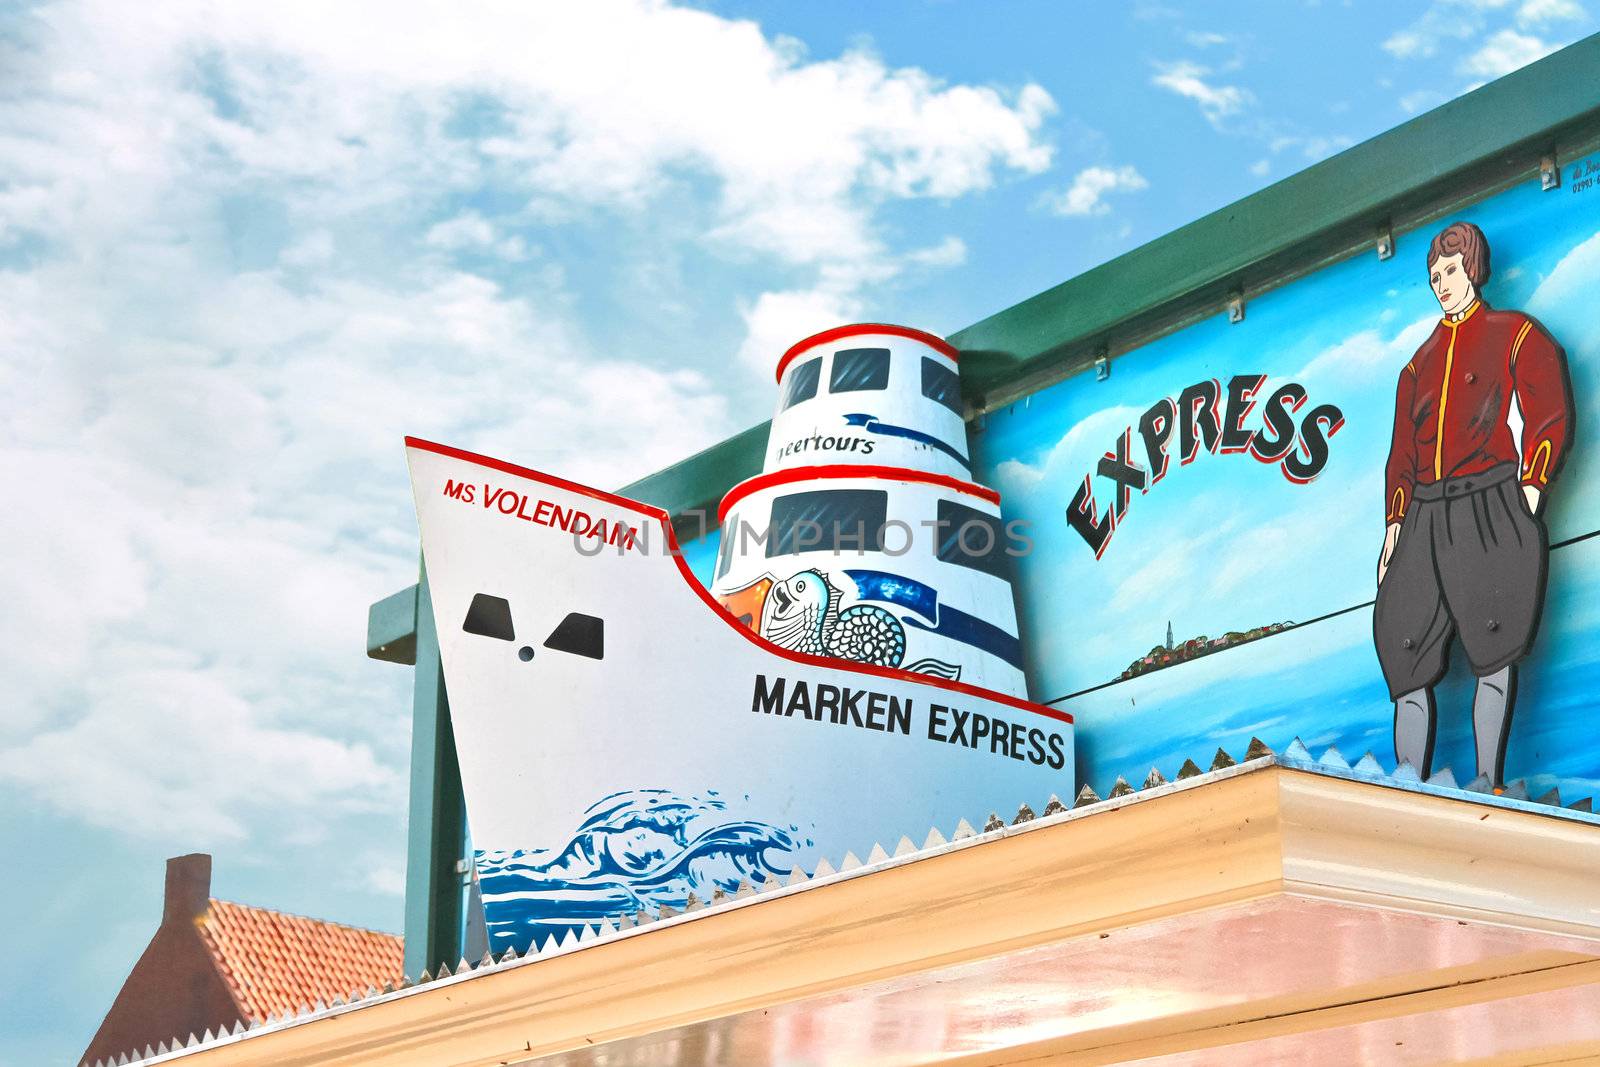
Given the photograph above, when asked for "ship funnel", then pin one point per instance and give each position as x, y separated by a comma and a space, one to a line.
865, 537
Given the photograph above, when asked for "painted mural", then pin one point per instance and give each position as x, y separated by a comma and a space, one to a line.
1465, 555
1209, 523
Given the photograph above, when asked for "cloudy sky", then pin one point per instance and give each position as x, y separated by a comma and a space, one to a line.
244, 248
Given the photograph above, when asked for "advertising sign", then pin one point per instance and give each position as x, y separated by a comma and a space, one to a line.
625, 741
1224, 507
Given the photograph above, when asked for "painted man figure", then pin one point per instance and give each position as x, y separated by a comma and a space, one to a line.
1481, 418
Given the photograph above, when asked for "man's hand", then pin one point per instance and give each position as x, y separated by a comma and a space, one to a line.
1531, 492
1391, 537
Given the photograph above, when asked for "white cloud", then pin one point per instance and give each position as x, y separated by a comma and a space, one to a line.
1540, 12
1570, 280
464, 231
1086, 194
1261, 168
311, 250
598, 106
1079, 446
1227, 732
1217, 550
176, 750
470, 231
1481, 31
1178, 562
1188, 80
1566, 288
249, 231
777, 320
1504, 52
1442, 22
1206, 38
1363, 352
385, 878
1421, 100
1311, 147
204, 526
950, 252
1408, 43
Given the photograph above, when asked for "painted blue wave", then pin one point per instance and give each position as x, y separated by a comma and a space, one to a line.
634, 850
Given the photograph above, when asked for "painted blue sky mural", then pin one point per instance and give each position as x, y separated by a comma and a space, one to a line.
1227, 543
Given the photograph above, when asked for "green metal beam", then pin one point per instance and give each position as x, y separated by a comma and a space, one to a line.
392, 627
436, 833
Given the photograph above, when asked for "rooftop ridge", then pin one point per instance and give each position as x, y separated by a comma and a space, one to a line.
272, 961
297, 915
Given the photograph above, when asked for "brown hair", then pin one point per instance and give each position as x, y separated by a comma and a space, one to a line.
1473, 246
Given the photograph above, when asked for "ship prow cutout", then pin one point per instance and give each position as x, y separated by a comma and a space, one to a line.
583, 661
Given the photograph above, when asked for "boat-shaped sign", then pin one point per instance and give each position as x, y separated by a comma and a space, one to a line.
624, 740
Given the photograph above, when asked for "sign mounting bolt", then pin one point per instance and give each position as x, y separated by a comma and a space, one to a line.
1385, 243
1236, 307
1549, 173
1102, 366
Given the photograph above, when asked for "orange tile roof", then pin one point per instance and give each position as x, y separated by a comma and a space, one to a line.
275, 963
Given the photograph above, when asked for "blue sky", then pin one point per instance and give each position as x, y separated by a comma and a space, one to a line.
245, 248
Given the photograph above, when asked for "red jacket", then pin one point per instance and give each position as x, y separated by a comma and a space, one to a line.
1454, 398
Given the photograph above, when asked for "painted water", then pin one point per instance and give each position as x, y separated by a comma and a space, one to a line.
1322, 683
638, 850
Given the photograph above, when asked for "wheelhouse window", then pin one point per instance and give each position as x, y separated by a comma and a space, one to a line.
828, 520
859, 369
970, 538
941, 382
802, 383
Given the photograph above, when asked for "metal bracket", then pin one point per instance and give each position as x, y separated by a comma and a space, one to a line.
1549, 173
1236, 307
1102, 366
1385, 242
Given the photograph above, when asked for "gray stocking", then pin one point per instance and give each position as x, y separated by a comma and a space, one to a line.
1413, 730
1491, 721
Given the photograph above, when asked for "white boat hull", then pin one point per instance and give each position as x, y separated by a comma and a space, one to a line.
624, 742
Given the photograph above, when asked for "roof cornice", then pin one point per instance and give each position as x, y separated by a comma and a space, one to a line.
1271, 836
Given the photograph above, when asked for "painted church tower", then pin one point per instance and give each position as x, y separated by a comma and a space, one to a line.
865, 537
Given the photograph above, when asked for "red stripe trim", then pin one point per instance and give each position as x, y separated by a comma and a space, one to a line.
850, 470
938, 344
671, 540
538, 476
